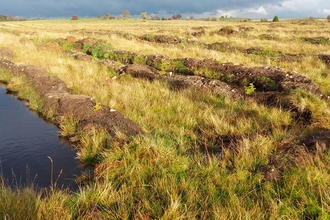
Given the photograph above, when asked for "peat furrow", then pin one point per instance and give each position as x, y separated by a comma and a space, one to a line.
280, 99
263, 78
223, 46
325, 59
179, 82
227, 47
270, 85
273, 87
62, 104
296, 151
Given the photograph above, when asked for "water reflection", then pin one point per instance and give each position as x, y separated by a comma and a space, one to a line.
27, 143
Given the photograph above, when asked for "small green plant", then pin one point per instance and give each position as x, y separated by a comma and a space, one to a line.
140, 59
97, 106
149, 37
86, 47
250, 89
95, 51
205, 72
270, 53
66, 45
181, 68
125, 57
104, 51
224, 77
100, 51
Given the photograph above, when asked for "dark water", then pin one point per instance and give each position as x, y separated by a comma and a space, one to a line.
27, 142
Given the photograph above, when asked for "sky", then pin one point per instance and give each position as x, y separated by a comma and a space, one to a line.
187, 8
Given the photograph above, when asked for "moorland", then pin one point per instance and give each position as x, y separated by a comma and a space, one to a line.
181, 119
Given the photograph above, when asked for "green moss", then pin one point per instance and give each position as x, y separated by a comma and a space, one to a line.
270, 83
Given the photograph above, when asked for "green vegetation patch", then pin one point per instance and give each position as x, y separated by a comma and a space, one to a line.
263, 52
100, 51
20, 87
250, 89
318, 40
269, 82
203, 155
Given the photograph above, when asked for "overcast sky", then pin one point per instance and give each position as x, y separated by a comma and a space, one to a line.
205, 8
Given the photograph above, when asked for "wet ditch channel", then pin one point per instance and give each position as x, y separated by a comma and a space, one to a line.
31, 152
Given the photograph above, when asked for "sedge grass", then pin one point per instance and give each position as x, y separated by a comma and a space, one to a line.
167, 174
18, 203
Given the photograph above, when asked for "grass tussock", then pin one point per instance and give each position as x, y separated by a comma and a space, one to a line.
17, 203
18, 86
203, 155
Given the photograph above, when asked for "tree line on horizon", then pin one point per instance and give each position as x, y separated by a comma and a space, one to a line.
126, 14
11, 18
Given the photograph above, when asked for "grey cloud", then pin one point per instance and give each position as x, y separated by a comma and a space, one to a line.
91, 8
65, 8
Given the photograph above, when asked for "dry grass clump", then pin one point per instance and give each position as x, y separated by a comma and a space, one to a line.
203, 155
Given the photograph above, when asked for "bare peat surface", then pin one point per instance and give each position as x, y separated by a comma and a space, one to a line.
58, 100
221, 46
272, 88
296, 151
178, 82
272, 85
325, 59
227, 47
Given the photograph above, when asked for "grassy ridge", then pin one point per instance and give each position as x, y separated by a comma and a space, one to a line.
177, 171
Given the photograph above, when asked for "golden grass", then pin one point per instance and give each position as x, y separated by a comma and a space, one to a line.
168, 173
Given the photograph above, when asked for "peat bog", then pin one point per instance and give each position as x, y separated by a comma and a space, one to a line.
183, 119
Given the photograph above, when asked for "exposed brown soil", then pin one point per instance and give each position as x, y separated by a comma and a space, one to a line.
25, 41
161, 39
218, 46
51, 46
273, 87
264, 78
221, 46
268, 37
198, 33
178, 82
82, 57
274, 92
227, 47
291, 57
317, 40
229, 30
254, 50
58, 100
272, 84
296, 151
325, 59
6, 53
